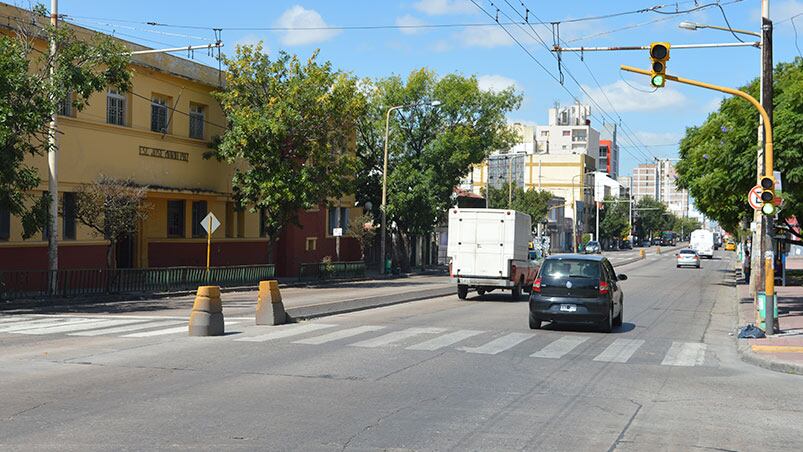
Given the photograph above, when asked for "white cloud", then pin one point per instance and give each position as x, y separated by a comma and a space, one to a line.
487, 37
441, 46
298, 17
496, 83
409, 21
626, 98
442, 7
251, 40
653, 138
712, 105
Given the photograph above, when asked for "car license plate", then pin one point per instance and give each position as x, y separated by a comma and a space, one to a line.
568, 308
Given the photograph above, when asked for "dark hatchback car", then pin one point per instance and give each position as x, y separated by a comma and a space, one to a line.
577, 288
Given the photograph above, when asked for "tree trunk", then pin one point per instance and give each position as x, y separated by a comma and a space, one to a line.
404, 253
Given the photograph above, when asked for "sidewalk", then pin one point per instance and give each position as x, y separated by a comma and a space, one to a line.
782, 352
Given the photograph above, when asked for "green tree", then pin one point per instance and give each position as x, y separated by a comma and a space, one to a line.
534, 203
718, 158
29, 94
614, 219
430, 148
651, 216
292, 123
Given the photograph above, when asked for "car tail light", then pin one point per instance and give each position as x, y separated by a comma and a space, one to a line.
537, 285
603, 288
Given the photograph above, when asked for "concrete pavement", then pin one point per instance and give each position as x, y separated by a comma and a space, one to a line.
435, 374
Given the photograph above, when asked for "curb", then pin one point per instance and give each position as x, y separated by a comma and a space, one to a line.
346, 306
746, 353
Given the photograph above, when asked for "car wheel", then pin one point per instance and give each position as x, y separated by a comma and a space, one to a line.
678, 265
535, 324
462, 291
606, 326
516, 292
480, 292
617, 321
698, 266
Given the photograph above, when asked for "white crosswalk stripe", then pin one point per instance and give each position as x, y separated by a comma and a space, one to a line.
88, 325
396, 336
337, 335
7, 320
445, 340
685, 354
178, 329
560, 347
40, 323
287, 331
500, 344
127, 328
620, 350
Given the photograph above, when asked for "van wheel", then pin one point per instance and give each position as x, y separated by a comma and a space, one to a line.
535, 324
516, 293
480, 292
462, 291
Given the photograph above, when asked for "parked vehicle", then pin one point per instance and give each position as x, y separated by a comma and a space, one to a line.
645, 243
668, 238
593, 247
717, 240
687, 257
488, 250
730, 245
656, 241
625, 245
577, 288
702, 241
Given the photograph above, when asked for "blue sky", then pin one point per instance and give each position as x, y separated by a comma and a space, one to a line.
656, 119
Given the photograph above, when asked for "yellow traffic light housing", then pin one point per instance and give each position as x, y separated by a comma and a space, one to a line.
767, 195
659, 55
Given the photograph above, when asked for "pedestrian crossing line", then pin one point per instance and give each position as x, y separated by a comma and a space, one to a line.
620, 350
287, 331
178, 329
91, 324
445, 340
685, 354
127, 328
500, 344
560, 347
342, 334
40, 323
7, 320
396, 336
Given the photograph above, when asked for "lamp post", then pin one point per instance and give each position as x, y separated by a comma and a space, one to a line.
383, 207
574, 211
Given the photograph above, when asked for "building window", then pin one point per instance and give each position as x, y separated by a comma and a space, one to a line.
199, 212
545, 133
115, 107
197, 118
603, 151
567, 133
262, 222
312, 244
65, 105
68, 216
5, 222
175, 218
338, 218
159, 113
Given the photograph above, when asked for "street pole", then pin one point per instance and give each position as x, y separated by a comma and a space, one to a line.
383, 207
52, 169
596, 236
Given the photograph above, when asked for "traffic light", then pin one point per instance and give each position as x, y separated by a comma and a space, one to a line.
659, 54
768, 195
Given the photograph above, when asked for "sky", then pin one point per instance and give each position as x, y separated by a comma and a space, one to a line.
653, 121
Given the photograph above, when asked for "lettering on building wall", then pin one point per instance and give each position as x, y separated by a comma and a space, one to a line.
164, 154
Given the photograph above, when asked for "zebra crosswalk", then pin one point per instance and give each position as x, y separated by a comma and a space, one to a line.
545, 345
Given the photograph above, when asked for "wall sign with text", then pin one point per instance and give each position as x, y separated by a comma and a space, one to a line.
164, 154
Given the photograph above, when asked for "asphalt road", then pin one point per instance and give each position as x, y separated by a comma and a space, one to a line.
437, 374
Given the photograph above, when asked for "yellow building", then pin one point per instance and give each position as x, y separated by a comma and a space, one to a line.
155, 134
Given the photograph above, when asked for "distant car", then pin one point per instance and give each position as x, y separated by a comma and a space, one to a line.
645, 243
593, 247
575, 288
625, 245
688, 257
730, 246
656, 241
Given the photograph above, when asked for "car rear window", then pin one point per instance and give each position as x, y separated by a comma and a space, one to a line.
687, 252
569, 268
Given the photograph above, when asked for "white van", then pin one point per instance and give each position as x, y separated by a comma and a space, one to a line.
702, 241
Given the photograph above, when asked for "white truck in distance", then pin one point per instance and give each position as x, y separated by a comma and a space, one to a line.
488, 249
702, 241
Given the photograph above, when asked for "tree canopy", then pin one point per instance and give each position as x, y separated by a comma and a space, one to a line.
534, 203
29, 94
614, 220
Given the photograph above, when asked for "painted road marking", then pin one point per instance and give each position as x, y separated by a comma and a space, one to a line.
685, 354
777, 348
445, 340
127, 328
619, 351
40, 324
342, 334
396, 336
91, 324
560, 347
287, 331
178, 329
500, 344
7, 320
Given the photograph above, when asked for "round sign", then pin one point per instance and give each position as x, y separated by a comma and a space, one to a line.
754, 197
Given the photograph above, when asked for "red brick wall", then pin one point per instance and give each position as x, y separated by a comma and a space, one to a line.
167, 254
35, 258
291, 247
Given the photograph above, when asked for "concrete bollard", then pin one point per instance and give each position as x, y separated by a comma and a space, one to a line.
270, 309
642, 254
658, 250
206, 318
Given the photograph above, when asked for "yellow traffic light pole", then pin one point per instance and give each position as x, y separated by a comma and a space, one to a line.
769, 291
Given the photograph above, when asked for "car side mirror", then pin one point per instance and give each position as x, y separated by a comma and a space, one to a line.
621, 277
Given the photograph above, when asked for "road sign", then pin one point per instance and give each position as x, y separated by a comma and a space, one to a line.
754, 197
210, 227
337, 232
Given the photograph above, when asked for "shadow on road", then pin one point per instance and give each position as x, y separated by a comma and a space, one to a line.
587, 328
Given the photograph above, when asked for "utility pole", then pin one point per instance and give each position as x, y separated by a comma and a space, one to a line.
52, 168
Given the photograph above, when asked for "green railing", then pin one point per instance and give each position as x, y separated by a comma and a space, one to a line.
76, 282
331, 270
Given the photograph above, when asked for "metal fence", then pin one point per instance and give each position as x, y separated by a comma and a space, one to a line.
331, 270
74, 282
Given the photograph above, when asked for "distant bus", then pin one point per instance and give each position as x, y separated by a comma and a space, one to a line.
668, 238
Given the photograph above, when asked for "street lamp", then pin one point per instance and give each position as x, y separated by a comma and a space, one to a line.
694, 26
574, 211
383, 207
